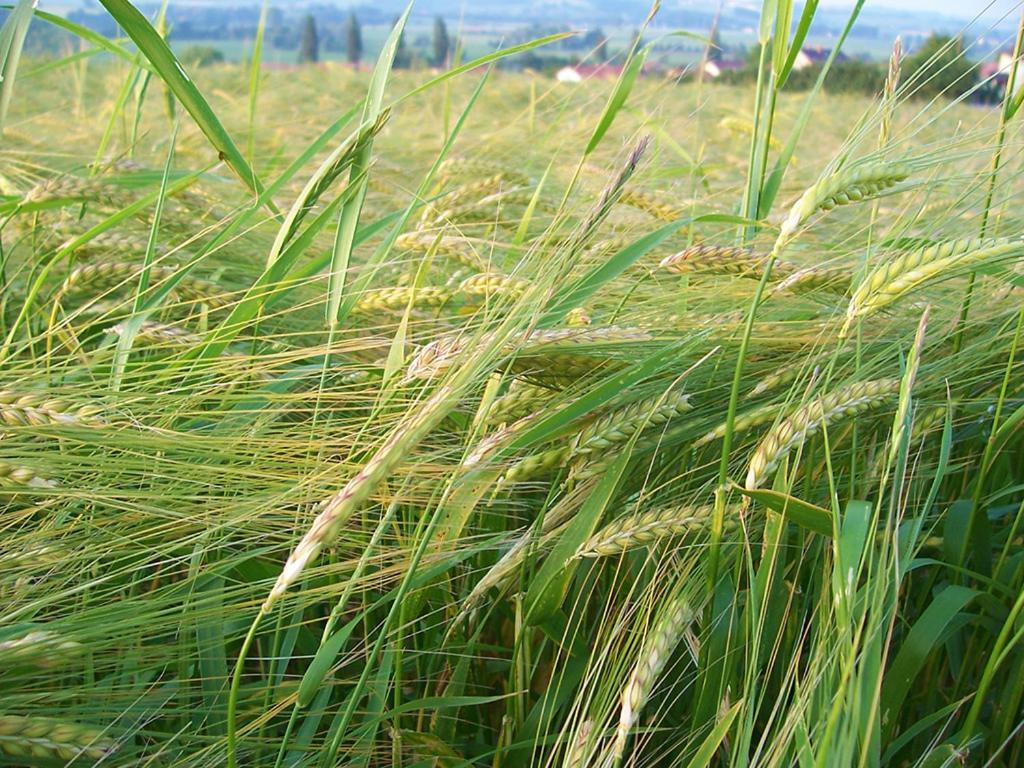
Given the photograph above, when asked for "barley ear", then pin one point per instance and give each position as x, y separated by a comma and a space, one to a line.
810, 418
37, 738
843, 187
654, 655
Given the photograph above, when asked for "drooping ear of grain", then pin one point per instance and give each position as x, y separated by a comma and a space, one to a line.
910, 271
487, 284
159, 334
33, 409
72, 189
13, 475
398, 298
764, 414
555, 344
650, 203
537, 464
809, 279
463, 167
644, 528
38, 738
848, 185
459, 249
723, 260
597, 441
577, 318
809, 419
115, 273
522, 399
38, 648
654, 655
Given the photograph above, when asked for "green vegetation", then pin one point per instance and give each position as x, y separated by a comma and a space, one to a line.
200, 56
396, 418
940, 68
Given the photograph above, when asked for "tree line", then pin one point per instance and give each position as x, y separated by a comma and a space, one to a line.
441, 46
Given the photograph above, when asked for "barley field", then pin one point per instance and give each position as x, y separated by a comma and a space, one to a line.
474, 419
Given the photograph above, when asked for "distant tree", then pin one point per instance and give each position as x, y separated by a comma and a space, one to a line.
200, 55
441, 43
637, 40
715, 51
353, 40
595, 40
309, 43
940, 67
754, 56
403, 58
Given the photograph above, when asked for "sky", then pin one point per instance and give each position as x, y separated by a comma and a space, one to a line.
961, 8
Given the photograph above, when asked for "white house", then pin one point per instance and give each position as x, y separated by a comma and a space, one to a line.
568, 75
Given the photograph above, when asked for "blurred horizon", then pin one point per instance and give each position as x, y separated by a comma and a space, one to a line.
223, 30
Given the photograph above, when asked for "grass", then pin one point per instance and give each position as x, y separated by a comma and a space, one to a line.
487, 421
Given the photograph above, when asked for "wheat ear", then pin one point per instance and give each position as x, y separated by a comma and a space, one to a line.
113, 240
11, 474
336, 510
488, 284
651, 204
576, 756
620, 425
536, 464
834, 279
440, 354
522, 399
75, 188
115, 273
459, 249
454, 167
152, 332
577, 317
764, 414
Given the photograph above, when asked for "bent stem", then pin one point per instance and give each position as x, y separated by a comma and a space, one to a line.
236, 679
